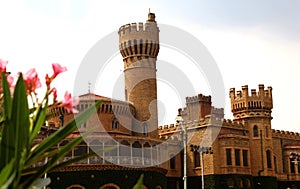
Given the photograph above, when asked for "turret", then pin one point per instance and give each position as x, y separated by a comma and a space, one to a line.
254, 111
256, 103
139, 46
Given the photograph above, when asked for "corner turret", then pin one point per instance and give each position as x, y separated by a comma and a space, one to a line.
257, 103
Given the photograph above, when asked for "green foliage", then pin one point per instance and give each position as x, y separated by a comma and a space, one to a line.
139, 184
19, 127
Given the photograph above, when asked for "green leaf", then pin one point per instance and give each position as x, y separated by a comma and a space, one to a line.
6, 97
19, 125
38, 122
139, 184
63, 132
6, 142
52, 161
7, 175
52, 141
20, 118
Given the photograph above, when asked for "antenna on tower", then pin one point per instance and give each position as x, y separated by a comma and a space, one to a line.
149, 10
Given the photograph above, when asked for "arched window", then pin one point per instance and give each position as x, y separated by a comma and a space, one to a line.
125, 152
136, 149
196, 159
269, 161
255, 131
115, 124
147, 154
172, 161
145, 129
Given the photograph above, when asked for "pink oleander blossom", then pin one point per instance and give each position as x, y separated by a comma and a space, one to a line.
54, 91
10, 80
32, 80
69, 103
57, 69
3, 65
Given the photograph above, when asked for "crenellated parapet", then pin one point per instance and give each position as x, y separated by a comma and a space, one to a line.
285, 134
198, 98
197, 107
232, 124
255, 103
139, 41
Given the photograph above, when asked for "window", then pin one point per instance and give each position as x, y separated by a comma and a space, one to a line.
255, 131
147, 153
141, 46
172, 161
248, 183
245, 157
196, 159
115, 124
135, 46
239, 182
292, 166
145, 129
230, 183
136, 149
275, 165
269, 162
237, 157
228, 157
80, 149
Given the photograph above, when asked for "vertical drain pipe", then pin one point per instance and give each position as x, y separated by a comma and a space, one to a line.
262, 158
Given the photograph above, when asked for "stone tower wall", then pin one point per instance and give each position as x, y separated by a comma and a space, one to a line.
139, 47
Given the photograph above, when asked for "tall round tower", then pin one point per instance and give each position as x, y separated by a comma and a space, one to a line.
139, 46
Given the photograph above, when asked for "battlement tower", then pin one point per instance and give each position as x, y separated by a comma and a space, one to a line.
139, 47
254, 111
256, 104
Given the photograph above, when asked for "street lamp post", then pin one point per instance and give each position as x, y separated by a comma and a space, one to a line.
202, 150
179, 120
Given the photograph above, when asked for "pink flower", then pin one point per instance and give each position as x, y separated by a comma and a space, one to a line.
57, 69
70, 102
3, 65
54, 94
31, 80
10, 80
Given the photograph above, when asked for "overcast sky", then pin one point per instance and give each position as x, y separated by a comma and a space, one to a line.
253, 42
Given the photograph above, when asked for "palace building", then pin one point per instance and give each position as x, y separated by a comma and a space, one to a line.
206, 148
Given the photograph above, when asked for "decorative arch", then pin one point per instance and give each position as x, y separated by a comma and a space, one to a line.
75, 186
110, 186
